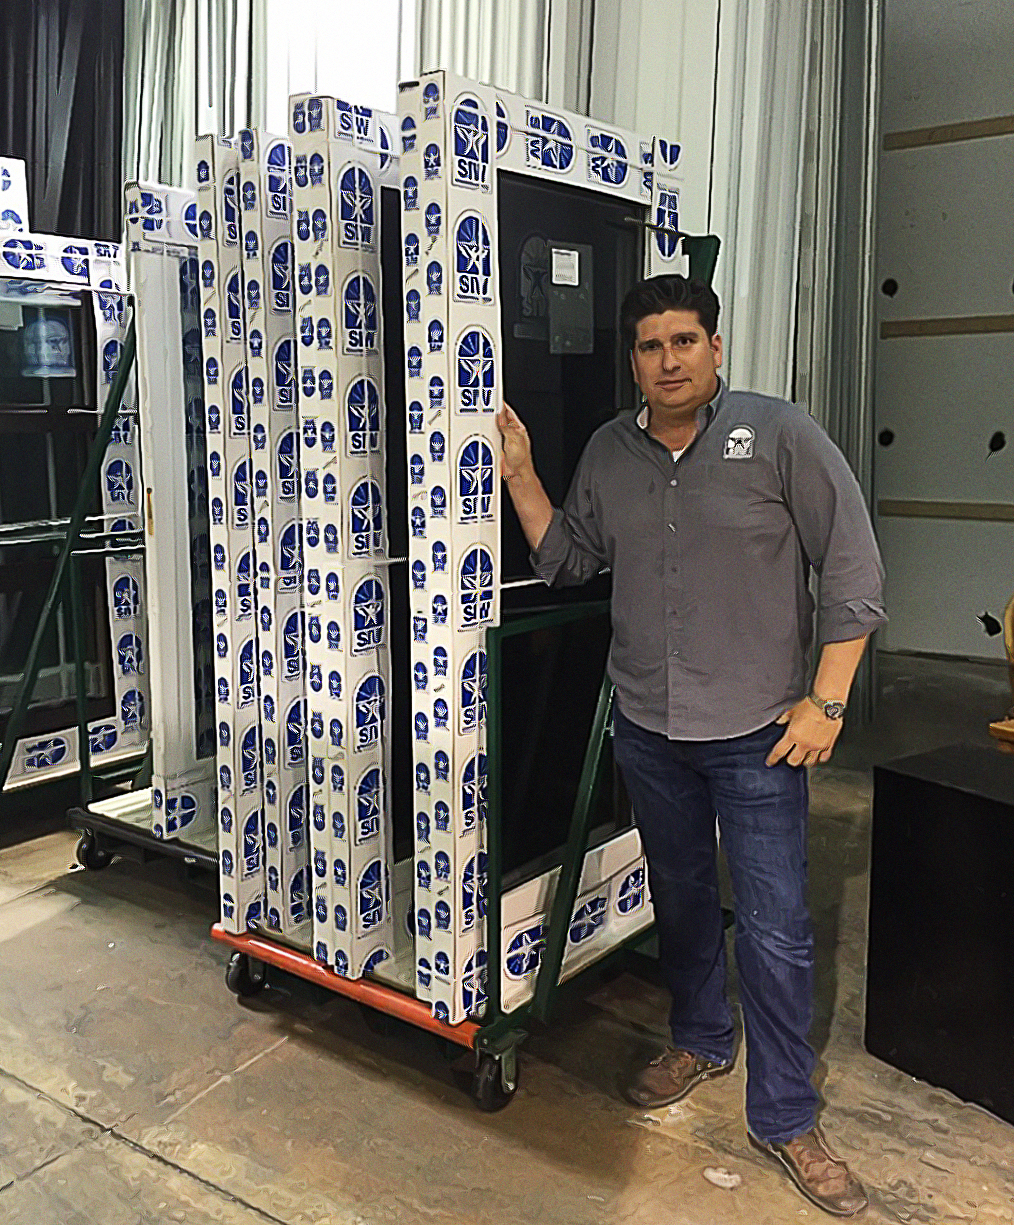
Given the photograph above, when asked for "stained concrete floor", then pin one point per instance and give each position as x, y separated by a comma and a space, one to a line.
135, 1089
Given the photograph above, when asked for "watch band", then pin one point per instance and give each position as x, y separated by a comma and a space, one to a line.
830, 708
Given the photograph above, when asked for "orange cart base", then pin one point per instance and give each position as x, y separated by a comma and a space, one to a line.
384, 999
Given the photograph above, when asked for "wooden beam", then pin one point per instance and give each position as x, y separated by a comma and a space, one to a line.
960, 325
980, 512
949, 133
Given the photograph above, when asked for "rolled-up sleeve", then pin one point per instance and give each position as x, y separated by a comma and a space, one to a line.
827, 507
572, 551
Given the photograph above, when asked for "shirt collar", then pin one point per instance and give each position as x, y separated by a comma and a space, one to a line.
704, 414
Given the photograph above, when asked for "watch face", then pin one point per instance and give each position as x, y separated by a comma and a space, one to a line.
834, 710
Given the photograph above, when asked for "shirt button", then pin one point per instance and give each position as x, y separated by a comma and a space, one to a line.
674, 482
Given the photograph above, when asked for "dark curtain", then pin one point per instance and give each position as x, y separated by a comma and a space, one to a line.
61, 104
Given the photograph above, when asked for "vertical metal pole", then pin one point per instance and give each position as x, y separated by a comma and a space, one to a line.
573, 858
494, 823
81, 694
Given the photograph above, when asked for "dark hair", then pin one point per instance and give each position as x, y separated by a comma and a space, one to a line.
659, 294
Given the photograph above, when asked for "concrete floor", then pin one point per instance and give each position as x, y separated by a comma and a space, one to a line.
134, 1088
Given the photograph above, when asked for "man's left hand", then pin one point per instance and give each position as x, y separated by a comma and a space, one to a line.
809, 737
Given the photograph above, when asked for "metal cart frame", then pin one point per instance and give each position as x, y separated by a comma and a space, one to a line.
496, 1037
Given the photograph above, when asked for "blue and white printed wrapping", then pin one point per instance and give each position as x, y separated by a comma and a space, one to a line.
13, 196
265, 208
33, 264
455, 135
242, 866
163, 277
340, 154
452, 341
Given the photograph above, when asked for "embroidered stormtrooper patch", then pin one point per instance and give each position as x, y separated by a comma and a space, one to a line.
739, 444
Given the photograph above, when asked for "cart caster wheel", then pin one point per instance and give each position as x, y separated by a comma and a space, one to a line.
90, 855
240, 979
488, 1089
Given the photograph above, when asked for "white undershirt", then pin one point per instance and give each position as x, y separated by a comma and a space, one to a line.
642, 421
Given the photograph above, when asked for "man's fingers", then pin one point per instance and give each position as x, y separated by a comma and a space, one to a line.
779, 751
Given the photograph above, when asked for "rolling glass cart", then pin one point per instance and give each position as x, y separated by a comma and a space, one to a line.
496, 1036
114, 814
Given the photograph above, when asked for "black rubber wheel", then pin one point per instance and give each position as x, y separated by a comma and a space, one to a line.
488, 1090
240, 979
90, 855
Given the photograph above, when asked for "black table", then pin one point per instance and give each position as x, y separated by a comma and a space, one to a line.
940, 967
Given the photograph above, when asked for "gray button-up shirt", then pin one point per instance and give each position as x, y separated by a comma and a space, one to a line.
711, 556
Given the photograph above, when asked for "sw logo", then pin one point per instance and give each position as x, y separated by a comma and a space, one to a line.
287, 457
476, 481
587, 920
471, 167
474, 790
230, 208
476, 372
102, 737
279, 195
369, 712
362, 412
473, 891
473, 692
431, 100
357, 223
367, 616
607, 158
524, 953
75, 261
369, 805
234, 308
473, 260
126, 598
667, 222
45, 753
473, 984
119, 482
359, 315
549, 142
285, 376
433, 217
475, 587
739, 444
630, 896
408, 134
130, 655
366, 519
281, 277
431, 162
372, 889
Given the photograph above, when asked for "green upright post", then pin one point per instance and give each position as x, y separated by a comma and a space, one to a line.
80, 681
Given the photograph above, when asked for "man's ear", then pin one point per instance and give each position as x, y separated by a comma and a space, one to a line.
718, 349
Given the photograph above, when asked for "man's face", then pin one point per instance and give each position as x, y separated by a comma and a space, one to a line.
675, 364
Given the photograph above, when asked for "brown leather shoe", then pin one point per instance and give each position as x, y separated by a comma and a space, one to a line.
670, 1077
822, 1177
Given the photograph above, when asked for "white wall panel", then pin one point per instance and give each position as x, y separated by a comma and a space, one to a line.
947, 62
941, 574
943, 398
947, 229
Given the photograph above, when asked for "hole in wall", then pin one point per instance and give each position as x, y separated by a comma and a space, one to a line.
990, 624
885, 437
889, 287
997, 442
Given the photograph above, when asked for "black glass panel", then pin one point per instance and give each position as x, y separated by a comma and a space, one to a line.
562, 397
551, 681
400, 782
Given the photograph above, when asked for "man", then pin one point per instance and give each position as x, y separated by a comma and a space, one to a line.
710, 507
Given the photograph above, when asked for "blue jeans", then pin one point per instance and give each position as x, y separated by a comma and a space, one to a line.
677, 788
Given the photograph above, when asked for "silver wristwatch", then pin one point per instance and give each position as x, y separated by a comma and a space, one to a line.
832, 710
